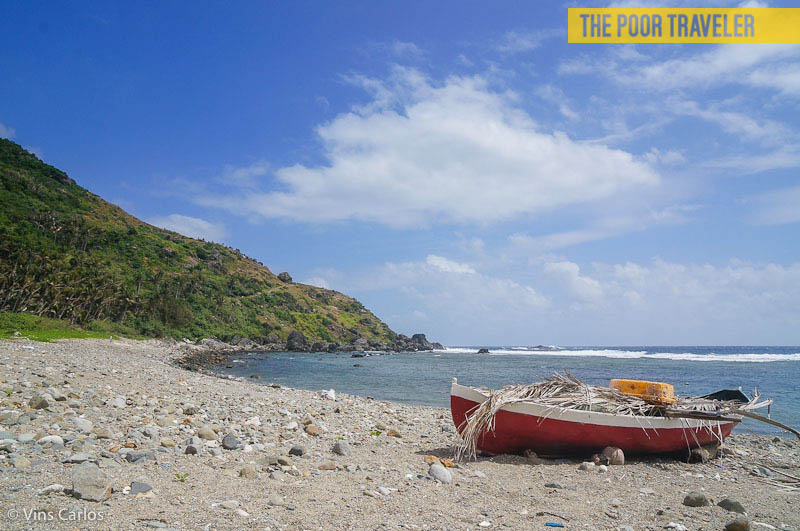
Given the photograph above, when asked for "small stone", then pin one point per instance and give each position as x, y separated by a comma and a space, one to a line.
82, 425
90, 483
192, 450
602, 468
615, 455
50, 489
139, 487
285, 461
21, 462
230, 504
313, 430
167, 442
51, 439
485, 523
118, 402
248, 471
297, 450
384, 491
102, 433
230, 442
394, 433
740, 523
553, 485
156, 524
341, 448
275, 501
440, 473
696, 499
732, 505
586, 465
190, 410
140, 456
39, 401
207, 433
77, 458
327, 465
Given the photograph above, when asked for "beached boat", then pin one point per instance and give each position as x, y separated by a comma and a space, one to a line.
551, 430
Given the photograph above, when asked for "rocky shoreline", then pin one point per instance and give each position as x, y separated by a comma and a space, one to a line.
113, 435
297, 342
204, 354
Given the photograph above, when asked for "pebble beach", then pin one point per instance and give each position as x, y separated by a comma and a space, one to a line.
114, 434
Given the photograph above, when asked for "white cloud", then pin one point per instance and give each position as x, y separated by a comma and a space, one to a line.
7, 132
600, 229
771, 66
524, 41
244, 177
556, 96
666, 157
192, 227
777, 207
458, 300
318, 281
569, 275
655, 302
422, 152
743, 125
448, 266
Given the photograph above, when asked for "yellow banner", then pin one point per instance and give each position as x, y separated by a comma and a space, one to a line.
684, 25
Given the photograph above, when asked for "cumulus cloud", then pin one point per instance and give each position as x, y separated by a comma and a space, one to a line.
458, 152
448, 266
6, 131
562, 302
192, 227
569, 275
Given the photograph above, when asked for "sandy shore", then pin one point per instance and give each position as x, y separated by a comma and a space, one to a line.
92, 414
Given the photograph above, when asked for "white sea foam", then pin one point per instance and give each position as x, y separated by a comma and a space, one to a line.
636, 354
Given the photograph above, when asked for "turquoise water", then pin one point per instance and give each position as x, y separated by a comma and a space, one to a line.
424, 378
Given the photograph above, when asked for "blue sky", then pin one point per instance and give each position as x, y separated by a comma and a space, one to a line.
463, 170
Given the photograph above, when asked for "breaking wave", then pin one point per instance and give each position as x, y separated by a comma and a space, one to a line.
635, 354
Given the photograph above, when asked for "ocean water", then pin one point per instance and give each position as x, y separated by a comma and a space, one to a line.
424, 378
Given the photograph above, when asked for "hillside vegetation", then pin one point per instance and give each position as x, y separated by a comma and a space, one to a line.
67, 254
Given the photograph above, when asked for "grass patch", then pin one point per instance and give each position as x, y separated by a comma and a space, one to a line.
46, 329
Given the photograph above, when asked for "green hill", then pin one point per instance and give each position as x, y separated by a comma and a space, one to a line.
67, 254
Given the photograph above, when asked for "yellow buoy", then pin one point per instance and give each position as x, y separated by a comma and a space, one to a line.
657, 392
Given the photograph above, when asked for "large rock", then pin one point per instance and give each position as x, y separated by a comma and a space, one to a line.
90, 483
319, 346
296, 342
285, 277
421, 342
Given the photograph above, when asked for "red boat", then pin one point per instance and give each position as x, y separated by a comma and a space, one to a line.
549, 430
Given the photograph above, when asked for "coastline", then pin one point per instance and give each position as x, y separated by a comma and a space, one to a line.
133, 393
